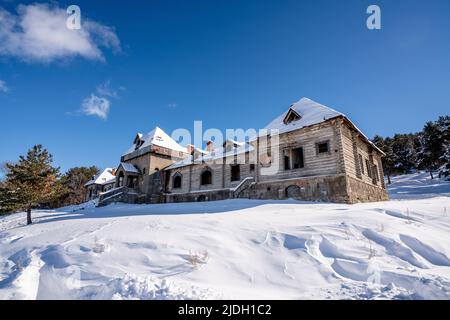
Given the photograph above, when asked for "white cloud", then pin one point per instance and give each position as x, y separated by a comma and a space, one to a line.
38, 33
96, 106
3, 86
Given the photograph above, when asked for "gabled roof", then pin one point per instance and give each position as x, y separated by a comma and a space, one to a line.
103, 178
128, 167
156, 137
310, 113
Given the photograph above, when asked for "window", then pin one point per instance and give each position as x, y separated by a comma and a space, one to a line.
287, 162
206, 178
177, 181
235, 173
291, 115
375, 173
361, 163
323, 147
369, 173
293, 159
252, 167
143, 171
297, 158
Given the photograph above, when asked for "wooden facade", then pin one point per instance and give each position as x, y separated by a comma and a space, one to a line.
330, 160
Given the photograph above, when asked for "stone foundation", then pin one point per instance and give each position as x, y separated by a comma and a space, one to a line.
360, 191
323, 188
212, 195
336, 188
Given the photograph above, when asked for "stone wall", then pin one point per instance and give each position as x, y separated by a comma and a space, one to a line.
320, 188
360, 191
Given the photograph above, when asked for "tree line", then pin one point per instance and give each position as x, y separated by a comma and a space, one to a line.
33, 182
427, 150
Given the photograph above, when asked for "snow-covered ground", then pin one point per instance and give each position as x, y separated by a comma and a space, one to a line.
247, 249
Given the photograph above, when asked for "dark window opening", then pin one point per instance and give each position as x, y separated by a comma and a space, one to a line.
143, 171
177, 182
323, 147
361, 163
369, 173
293, 159
235, 173
375, 173
252, 167
287, 163
297, 158
206, 178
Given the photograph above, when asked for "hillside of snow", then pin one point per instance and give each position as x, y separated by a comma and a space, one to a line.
238, 249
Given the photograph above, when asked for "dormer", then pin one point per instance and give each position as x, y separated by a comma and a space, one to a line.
291, 116
138, 142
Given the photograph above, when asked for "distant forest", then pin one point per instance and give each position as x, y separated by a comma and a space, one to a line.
427, 150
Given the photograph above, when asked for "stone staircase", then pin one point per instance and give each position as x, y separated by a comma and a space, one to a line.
241, 188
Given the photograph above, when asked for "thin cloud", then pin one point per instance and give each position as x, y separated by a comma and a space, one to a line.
38, 33
172, 105
3, 87
96, 106
105, 90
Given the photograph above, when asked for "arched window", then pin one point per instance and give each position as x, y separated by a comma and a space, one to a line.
206, 177
177, 181
121, 178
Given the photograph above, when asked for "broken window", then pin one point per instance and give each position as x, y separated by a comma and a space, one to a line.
375, 173
361, 163
297, 158
322, 147
369, 173
291, 115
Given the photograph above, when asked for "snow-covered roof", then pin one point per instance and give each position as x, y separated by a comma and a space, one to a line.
310, 113
156, 137
128, 167
105, 177
216, 154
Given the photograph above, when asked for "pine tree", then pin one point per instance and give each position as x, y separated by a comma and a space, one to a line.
445, 169
431, 149
72, 183
30, 182
403, 153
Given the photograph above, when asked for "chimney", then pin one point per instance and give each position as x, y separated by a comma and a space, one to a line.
190, 149
210, 146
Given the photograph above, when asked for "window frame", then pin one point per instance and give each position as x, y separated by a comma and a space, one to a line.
175, 177
318, 152
233, 178
210, 179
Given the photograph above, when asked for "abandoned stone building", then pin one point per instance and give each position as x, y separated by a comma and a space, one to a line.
317, 154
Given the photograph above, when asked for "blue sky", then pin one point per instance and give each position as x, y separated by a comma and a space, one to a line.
229, 63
